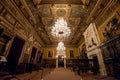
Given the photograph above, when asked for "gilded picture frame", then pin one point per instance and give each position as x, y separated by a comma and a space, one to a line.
50, 54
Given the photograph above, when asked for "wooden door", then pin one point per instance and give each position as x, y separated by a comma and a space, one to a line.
14, 54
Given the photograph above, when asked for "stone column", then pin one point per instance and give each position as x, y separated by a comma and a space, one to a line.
56, 62
98, 53
64, 63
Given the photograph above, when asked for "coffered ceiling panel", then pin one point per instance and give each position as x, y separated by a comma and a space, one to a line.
61, 2
46, 12
47, 21
42, 14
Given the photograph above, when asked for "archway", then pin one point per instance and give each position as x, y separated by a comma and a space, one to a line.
60, 61
14, 54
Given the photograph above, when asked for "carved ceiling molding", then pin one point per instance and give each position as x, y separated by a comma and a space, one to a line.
45, 11
28, 10
6, 29
12, 30
7, 20
16, 12
85, 2
61, 2
36, 2
48, 21
66, 45
60, 10
42, 15
74, 21
108, 11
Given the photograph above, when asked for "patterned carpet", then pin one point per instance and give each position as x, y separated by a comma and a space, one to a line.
66, 74
61, 74
56, 74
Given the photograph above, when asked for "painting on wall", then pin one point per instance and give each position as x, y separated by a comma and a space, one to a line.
50, 54
112, 27
71, 54
111, 34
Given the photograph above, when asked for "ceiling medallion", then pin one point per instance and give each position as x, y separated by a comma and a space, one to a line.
60, 29
61, 12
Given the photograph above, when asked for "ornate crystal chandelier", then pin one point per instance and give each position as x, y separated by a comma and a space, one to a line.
60, 29
60, 49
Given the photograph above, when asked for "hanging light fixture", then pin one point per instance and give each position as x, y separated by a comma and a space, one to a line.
61, 49
60, 29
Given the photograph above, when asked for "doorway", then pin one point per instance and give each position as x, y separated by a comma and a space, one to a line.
32, 58
33, 53
96, 65
14, 54
60, 61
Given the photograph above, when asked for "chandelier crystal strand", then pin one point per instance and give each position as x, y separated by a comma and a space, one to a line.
61, 49
60, 29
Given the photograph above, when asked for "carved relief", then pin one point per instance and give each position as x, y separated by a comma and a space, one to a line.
36, 2
91, 37
21, 29
47, 21
61, 1
74, 21
29, 43
86, 2
77, 11
10, 19
112, 28
61, 12
47, 11
44, 11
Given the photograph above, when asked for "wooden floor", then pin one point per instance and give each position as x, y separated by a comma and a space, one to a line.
55, 74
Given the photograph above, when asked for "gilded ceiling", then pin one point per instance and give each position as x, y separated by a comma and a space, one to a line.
42, 14
46, 12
